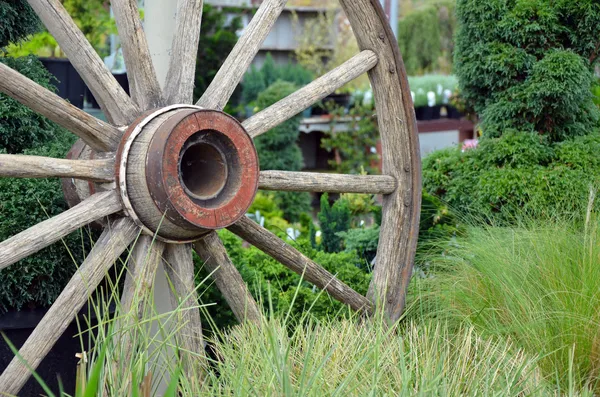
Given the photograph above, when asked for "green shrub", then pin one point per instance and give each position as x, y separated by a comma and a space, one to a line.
37, 280
257, 80
527, 64
536, 285
278, 150
333, 220
514, 175
20, 127
268, 279
18, 21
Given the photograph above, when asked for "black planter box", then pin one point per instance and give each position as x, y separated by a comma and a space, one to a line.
123, 81
453, 113
424, 113
69, 84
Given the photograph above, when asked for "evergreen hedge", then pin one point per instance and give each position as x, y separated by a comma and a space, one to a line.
18, 21
528, 64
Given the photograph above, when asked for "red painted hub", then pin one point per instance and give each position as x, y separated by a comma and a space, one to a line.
200, 172
202, 169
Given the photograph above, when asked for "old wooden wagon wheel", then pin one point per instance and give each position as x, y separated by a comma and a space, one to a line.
180, 171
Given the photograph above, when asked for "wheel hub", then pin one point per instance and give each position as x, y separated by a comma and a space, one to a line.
183, 171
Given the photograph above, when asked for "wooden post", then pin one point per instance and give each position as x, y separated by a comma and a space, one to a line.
159, 26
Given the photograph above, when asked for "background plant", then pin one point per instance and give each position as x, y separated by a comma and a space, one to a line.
37, 280
18, 21
425, 37
355, 147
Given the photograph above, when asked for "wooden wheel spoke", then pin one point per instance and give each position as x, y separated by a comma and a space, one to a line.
230, 74
96, 133
106, 251
179, 267
295, 103
293, 259
49, 231
117, 105
137, 294
227, 278
143, 83
323, 182
179, 86
141, 270
23, 166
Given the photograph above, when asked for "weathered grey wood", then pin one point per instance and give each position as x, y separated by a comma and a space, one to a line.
179, 267
230, 74
23, 166
322, 182
138, 193
143, 83
106, 251
227, 278
96, 133
139, 280
293, 259
135, 301
295, 103
49, 231
116, 104
401, 158
179, 85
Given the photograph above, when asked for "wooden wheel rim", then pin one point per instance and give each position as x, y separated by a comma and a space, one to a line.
400, 183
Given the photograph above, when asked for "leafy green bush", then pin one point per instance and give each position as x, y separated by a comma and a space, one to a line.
18, 21
278, 150
514, 175
333, 220
537, 285
528, 64
20, 127
37, 280
268, 279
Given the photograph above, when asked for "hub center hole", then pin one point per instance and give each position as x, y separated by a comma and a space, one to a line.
203, 170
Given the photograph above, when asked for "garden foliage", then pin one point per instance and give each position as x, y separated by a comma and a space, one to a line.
528, 64
37, 280
18, 21
516, 174
20, 127
259, 79
536, 285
